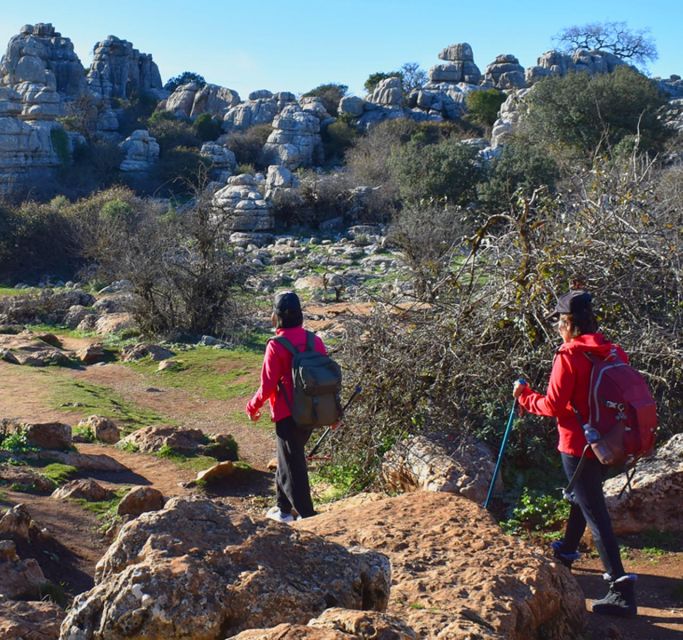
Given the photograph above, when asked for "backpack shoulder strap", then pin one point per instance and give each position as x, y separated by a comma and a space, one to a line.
310, 341
285, 343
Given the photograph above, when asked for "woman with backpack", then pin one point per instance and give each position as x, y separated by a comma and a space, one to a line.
567, 400
291, 478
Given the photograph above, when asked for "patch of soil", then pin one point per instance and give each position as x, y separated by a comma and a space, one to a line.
25, 394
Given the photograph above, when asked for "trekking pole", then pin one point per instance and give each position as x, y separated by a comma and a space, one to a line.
506, 435
316, 446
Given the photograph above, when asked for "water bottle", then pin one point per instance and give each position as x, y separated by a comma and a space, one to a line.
600, 448
592, 435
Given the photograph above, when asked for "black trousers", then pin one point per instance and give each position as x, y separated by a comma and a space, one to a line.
588, 507
291, 478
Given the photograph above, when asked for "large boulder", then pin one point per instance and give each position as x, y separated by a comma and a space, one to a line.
30, 620
656, 496
141, 151
505, 72
459, 66
557, 63
154, 438
140, 500
455, 574
19, 579
103, 429
388, 92
437, 464
191, 100
203, 570
44, 435
86, 489
243, 205
295, 140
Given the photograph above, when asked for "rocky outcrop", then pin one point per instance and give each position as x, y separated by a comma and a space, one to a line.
556, 63
337, 624
295, 140
261, 108
120, 71
203, 569
191, 100
46, 306
152, 439
508, 117
30, 620
656, 496
19, 579
388, 92
103, 429
243, 206
25, 477
505, 72
86, 489
223, 161
437, 464
141, 151
42, 56
459, 66
455, 575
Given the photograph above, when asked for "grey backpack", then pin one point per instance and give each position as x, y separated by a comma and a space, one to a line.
317, 384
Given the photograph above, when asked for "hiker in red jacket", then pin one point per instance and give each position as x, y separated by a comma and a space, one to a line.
568, 389
291, 477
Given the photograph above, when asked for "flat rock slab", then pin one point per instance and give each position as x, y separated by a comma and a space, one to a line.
455, 574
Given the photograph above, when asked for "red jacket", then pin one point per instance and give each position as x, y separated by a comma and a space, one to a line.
569, 384
277, 366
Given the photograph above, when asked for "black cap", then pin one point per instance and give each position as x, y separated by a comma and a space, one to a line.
576, 302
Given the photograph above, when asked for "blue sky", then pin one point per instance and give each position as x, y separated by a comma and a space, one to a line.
295, 45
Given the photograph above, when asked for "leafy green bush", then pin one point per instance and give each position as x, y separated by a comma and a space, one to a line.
483, 106
183, 78
447, 170
337, 138
537, 512
207, 127
171, 132
60, 143
17, 443
588, 114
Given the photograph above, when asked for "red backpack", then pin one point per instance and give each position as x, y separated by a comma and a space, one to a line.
622, 409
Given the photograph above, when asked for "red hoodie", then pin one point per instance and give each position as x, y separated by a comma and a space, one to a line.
569, 384
277, 366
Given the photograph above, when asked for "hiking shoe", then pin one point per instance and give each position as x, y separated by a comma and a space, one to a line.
620, 599
566, 558
274, 513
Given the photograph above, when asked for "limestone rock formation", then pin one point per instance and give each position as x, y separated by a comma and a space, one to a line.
657, 495
19, 579
152, 439
295, 140
352, 106
261, 108
435, 464
140, 500
141, 149
337, 624
40, 55
30, 620
459, 66
505, 72
191, 100
119, 71
44, 435
104, 429
508, 117
388, 92
86, 489
223, 161
243, 206
455, 575
556, 63
201, 569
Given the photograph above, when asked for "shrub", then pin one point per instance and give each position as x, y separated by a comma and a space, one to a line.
171, 132
520, 169
445, 170
337, 138
592, 114
207, 127
183, 78
176, 171
483, 106
330, 94
248, 145
60, 143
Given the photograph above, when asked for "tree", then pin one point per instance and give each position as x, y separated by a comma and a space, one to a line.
483, 106
412, 77
330, 94
184, 78
613, 37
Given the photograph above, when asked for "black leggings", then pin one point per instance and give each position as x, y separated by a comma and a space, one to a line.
588, 506
291, 477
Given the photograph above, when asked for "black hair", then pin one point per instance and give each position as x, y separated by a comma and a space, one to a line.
289, 318
583, 320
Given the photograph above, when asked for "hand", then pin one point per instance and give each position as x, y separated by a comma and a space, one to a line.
335, 425
254, 416
518, 389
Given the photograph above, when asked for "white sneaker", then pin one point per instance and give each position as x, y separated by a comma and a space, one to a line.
274, 513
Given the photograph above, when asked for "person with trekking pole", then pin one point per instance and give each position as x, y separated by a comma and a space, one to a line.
567, 400
277, 387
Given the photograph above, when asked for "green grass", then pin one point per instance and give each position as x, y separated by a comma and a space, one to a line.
104, 510
74, 396
189, 463
11, 291
216, 374
59, 473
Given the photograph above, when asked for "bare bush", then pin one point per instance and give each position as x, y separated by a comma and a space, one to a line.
448, 365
